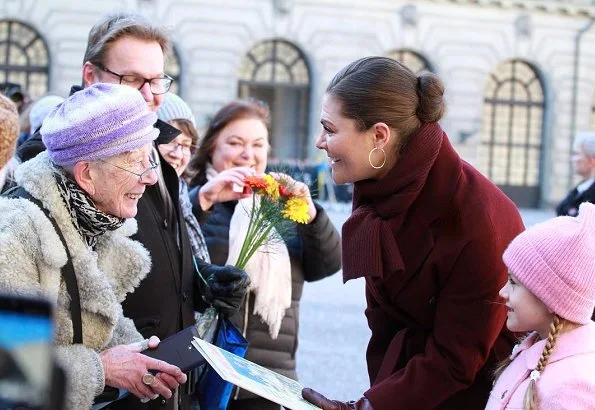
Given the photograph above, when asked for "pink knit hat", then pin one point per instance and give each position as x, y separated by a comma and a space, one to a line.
555, 260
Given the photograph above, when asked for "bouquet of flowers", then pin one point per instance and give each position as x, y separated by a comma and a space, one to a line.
274, 206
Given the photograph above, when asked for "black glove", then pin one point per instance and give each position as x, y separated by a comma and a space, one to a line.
325, 404
226, 286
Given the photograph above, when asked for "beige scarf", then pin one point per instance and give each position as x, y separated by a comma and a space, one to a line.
269, 268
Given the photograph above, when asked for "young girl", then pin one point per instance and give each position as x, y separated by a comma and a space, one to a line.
551, 292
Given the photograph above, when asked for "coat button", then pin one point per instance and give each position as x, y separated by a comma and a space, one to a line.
184, 297
165, 223
432, 300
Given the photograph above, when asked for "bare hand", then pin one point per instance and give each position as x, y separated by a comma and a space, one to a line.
124, 367
220, 188
298, 189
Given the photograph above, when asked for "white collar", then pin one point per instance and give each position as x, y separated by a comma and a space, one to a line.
583, 186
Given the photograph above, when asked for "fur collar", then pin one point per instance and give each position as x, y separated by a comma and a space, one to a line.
104, 276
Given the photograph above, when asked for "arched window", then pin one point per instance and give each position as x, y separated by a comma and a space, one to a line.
277, 72
173, 68
414, 61
24, 58
512, 131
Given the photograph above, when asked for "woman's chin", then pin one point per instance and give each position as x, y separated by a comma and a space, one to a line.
128, 211
339, 179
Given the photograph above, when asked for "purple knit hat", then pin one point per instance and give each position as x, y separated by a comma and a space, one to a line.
555, 260
98, 122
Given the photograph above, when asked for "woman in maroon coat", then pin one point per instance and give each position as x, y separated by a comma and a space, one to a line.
427, 233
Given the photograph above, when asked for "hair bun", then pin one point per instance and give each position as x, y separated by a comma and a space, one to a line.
431, 106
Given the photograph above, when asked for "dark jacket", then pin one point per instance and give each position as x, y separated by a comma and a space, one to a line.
314, 252
429, 239
569, 205
164, 303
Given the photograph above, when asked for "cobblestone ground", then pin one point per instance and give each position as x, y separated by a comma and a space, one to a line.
333, 329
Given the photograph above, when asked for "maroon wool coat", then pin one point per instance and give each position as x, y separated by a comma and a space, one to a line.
429, 239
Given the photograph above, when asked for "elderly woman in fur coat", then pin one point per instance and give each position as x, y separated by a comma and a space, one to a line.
96, 167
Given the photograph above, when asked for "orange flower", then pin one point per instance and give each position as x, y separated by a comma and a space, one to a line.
285, 193
256, 182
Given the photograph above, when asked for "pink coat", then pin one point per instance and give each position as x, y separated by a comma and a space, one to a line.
567, 382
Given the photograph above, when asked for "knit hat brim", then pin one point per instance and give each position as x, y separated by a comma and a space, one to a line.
530, 269
99, 122
94, 153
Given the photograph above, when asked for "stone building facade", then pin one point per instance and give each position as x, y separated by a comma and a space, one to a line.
519, 75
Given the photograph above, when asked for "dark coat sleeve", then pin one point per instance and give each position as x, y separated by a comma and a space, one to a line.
321, 247
465, 328
30, 148
570, 204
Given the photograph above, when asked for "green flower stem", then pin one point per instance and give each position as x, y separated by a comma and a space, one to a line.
263, 218
263, 235
240, 263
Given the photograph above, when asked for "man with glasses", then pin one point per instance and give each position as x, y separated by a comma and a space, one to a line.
128, 49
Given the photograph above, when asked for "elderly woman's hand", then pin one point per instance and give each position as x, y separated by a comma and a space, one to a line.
220, 188
298, 189
126, 367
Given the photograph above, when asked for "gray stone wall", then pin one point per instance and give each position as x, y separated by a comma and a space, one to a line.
463, 40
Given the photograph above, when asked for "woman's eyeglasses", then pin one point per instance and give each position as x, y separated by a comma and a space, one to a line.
143, 175
187, 150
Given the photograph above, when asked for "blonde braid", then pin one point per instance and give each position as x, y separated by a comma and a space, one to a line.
531, 400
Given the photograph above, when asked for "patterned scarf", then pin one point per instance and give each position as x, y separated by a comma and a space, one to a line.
197, 239
89, 221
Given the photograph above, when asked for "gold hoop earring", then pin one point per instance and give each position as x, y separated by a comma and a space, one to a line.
370, 158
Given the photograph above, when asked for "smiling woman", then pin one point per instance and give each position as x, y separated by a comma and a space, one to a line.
426, 233
236, 146
88, 182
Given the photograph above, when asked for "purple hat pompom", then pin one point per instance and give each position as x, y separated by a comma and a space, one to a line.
98, 122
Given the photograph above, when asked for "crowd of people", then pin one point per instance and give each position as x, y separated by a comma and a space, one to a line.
113, 200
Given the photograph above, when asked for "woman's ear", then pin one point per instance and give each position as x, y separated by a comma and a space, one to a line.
83, 176
382, 135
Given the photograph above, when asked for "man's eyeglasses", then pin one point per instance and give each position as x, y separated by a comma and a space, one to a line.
187, 150
143, 176
159, 85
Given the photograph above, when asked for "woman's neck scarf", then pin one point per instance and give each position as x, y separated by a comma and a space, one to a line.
89, 221
197, 239
269, 268
380, 207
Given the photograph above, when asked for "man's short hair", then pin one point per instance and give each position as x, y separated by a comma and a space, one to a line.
586, 141
117, 25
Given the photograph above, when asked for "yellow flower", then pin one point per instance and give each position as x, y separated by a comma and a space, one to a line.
296, 209
272, 188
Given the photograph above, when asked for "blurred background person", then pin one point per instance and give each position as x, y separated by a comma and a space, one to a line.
37, 112
236, 145
583, 163
9, 130
24, 119
177, 153
90, 180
